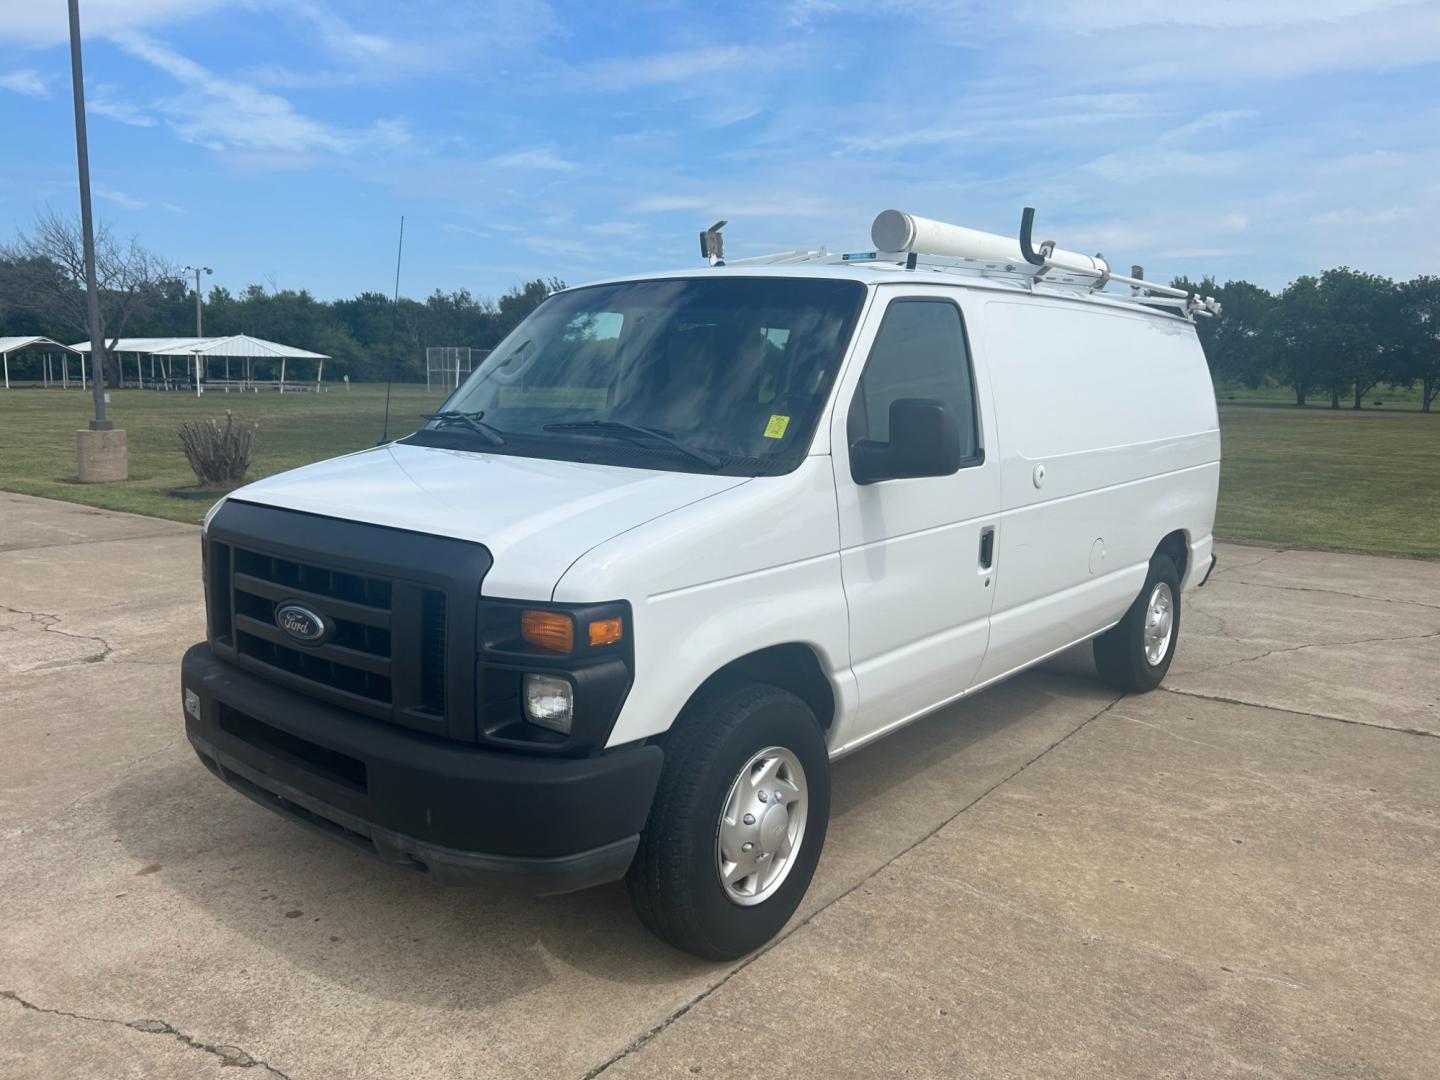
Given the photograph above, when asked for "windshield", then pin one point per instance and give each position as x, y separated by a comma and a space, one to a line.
723, 374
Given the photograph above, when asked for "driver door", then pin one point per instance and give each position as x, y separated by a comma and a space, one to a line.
917, 555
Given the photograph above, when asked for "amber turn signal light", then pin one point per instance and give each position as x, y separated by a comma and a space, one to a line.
606, 631
548, 630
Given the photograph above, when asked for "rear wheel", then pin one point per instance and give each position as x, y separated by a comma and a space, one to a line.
1134, 654
738, 822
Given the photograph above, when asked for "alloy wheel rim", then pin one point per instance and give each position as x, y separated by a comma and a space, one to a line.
761, 826
1159, 623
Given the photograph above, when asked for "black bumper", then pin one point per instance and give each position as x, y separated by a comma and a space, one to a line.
541, 824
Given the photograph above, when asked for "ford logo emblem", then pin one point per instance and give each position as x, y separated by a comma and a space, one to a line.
300, 623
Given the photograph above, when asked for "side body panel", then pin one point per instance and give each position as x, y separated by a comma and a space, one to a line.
1109, 442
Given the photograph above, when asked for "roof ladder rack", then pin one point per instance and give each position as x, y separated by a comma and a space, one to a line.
909, 242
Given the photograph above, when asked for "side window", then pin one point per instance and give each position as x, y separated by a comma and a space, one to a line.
918, 353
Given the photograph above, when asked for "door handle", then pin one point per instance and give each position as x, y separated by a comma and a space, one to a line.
987, 548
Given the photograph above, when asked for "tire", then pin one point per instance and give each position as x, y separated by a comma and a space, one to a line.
675, 882
1123, 654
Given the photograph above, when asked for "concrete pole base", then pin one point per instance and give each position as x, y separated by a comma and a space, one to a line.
102, 456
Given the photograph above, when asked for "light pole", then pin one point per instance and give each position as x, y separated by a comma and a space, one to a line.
197, 271
101, 452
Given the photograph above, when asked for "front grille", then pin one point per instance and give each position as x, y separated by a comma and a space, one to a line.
398, 609
432, 651
364, 614
354, 657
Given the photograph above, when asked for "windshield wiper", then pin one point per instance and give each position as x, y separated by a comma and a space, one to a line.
620, 429
473, 420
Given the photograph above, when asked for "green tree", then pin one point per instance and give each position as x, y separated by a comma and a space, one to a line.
1419, 348
1239, 341
1361, 319
1299, 330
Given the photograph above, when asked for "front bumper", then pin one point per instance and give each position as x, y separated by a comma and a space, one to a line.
540, 824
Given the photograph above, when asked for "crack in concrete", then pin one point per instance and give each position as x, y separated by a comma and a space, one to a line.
48, 624
5, 549
1335, 592
1226, 568
228, 1054
1300, 712
1167, 731
1300, 648
639, 1042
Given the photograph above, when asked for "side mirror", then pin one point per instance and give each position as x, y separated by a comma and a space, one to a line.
924, 441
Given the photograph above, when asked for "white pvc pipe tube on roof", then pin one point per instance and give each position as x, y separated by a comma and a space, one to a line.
895, 230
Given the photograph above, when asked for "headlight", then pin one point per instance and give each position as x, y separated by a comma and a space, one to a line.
549, 702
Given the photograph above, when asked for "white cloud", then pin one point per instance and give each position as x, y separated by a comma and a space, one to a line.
636, 72
465, 230
661, 204
27, 82
119, 198
539, 158
1168, 155
102, 102
220, 113
1225, 14
905, 139
1351, 215
1229, 41
341, 37
43, 24
613, 228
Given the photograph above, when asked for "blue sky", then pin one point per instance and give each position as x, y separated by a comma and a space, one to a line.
280, 142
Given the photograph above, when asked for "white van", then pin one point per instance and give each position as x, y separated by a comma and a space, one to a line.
683, 539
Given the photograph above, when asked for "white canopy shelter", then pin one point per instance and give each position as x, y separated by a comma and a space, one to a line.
10, 345
199, 351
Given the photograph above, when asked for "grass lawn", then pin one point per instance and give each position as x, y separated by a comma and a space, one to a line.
1323, 478
1366, 481
37, 438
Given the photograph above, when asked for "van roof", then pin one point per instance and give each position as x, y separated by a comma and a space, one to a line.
876, 273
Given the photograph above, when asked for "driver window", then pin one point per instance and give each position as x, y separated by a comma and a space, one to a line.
919, 353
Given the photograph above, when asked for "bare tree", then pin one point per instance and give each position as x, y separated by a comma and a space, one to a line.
51, 261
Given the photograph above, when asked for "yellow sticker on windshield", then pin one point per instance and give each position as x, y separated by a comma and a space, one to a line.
775, 429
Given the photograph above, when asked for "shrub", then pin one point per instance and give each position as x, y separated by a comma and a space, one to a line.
218, 452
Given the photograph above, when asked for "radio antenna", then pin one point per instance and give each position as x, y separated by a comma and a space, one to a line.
395, 305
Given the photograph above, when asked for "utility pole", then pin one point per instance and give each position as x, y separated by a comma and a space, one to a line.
101, 451
197, 270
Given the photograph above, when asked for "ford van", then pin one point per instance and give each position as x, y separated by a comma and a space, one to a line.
684, 539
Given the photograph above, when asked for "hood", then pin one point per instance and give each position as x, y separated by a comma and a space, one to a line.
535, 516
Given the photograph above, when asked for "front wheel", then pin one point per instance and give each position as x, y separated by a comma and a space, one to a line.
738, 822
1134, 654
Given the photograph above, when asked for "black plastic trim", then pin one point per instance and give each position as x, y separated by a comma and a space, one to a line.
535, 876
407, 792
1208, 571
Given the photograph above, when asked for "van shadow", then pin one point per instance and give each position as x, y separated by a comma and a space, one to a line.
947, 743
388, 934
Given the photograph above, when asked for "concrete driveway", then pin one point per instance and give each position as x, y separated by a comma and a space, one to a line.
1234, 875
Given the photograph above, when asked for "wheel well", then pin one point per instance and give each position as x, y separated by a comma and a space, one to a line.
1178, 548
792, 667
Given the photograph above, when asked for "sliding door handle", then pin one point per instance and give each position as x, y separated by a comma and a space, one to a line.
987, 548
